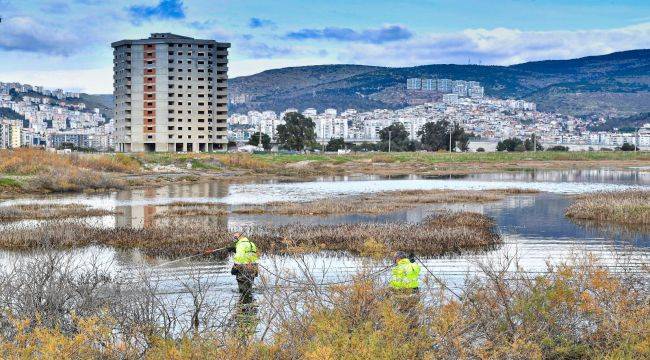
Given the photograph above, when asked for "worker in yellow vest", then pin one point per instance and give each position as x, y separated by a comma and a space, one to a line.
405, 274
245, 268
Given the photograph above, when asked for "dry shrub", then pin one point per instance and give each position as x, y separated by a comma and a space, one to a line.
575, 310
625, 207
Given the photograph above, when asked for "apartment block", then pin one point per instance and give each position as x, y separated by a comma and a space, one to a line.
414, 84
171, 94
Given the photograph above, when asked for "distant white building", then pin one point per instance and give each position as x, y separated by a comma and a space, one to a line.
414, 84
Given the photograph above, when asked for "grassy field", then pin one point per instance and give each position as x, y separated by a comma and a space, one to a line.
37, 171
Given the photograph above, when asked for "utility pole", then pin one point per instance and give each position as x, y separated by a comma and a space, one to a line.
534, 143
389, 139
259, 142
451, 129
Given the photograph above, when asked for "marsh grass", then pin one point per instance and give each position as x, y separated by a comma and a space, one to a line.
47, 212
51, 172
435, 235
447, 232
382, 202
186, 209
625, 207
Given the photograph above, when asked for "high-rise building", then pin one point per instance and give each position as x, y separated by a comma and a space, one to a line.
429, 84
445, 85
414, 84
171, 94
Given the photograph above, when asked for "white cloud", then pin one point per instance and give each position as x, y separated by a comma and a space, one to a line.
93, 81
500, 46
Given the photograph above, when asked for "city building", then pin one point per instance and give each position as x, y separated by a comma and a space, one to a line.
429, 85
79, 140
445, 85
171, 94
413, 84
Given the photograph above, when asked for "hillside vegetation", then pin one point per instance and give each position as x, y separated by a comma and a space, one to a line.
617, 84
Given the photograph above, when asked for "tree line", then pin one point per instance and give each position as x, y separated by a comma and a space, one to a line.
298, 134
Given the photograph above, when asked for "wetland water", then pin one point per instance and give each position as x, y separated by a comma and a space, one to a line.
534, 226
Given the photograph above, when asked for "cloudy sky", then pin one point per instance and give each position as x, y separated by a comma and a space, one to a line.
66, 43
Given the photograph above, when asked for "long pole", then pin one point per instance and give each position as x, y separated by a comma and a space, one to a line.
450, 131
389, 139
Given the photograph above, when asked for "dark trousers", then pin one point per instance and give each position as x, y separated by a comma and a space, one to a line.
245, 275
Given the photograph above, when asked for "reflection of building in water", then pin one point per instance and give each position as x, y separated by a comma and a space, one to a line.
139, 214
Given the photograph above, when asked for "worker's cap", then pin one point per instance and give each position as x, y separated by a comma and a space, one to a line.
236, 235
400, 255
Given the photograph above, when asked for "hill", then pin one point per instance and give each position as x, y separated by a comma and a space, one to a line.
616, 84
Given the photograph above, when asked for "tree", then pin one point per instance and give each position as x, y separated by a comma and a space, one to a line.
510, 145
628, 147
533, 142
336, 144
398, 136
255, 140
435, 136
297, 133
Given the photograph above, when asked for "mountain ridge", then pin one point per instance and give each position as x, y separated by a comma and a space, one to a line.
615, 84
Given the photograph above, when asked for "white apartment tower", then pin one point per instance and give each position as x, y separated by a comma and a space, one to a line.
171, 94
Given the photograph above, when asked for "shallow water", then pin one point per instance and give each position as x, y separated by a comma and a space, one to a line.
534, 226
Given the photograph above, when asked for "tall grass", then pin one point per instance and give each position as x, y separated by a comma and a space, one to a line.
382, 202
436, 235
33, 212
623, 207
51, 172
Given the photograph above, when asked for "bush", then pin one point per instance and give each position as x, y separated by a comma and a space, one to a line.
480, 149
558, 148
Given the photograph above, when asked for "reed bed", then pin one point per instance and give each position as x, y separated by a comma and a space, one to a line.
382, 202
447, 232
47, 212
625, 207
181, 209
435, 235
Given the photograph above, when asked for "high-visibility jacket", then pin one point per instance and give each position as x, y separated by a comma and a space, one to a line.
405, 275
245, 251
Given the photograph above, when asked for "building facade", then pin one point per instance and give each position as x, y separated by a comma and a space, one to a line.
171, 94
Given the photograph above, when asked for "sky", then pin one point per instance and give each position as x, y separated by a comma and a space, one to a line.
66, 43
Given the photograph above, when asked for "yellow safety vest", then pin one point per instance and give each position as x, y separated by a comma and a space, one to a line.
405, 275
245, 252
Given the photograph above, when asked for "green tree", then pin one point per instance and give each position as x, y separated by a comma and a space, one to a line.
628, 147
336, 144
435, 136
398, 136
510, 145
533, 142
255, 140
297, 133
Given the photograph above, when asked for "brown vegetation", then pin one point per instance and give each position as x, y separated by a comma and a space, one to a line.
52, 172
625, 207
43, 212
382, 202
193, 209
448, 232
575, 310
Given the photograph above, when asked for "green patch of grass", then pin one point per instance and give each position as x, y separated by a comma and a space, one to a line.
198, 164
7, 182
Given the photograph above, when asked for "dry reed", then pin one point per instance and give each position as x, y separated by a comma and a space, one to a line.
448, 232
382, 202
46, 212
626, 207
